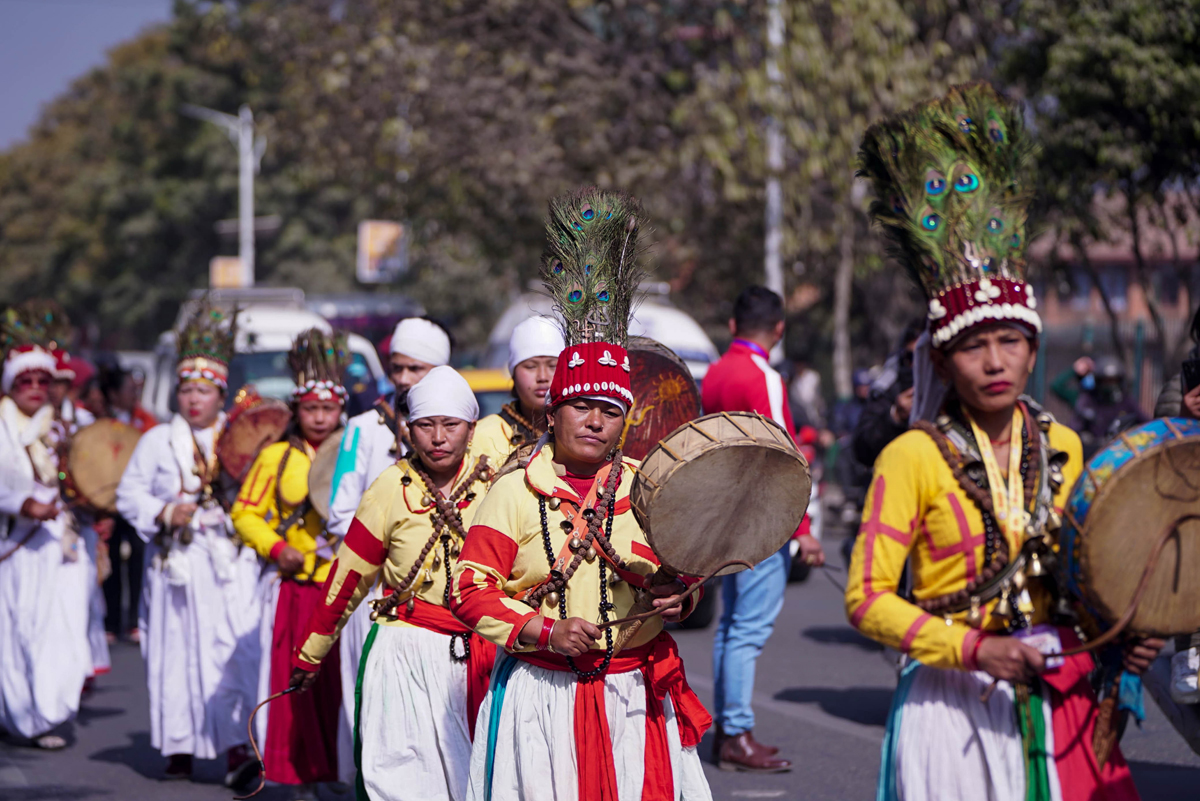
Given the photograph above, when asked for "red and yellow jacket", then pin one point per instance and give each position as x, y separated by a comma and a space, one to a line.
389, 530
257, 513
504, 555
915, 508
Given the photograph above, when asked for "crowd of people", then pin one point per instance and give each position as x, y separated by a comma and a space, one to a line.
469, 614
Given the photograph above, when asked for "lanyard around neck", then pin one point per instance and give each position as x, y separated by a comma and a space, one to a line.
1008, 497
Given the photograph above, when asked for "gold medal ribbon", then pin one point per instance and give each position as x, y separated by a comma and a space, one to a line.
1008, 497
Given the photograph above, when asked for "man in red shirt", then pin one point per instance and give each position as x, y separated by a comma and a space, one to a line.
744, 381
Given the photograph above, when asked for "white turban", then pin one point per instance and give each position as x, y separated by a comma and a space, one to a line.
421, 340
442, 393
537, 336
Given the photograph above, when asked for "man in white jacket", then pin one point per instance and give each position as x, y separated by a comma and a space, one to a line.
369, 446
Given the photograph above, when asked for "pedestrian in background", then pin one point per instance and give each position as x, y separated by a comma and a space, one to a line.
744, 381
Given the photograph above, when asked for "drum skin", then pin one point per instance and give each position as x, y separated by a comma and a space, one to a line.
1128, 493
97, 459
665, 396
261, 422
725, 486
320, 473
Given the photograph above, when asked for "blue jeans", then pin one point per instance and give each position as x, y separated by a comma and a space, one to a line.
752, 600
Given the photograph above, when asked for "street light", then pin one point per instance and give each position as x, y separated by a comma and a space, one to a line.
250, 153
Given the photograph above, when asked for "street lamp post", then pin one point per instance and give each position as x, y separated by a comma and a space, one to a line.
250, 153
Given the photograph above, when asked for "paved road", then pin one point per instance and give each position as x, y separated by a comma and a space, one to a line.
822, 696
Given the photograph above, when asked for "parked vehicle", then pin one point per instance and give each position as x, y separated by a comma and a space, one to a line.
492, 388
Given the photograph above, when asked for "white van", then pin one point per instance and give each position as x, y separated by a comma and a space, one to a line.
655, 318
265, 335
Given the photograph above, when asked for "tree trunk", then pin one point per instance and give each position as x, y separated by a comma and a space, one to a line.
842, 284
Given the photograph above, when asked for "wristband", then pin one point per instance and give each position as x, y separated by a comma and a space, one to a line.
543, 640
973, 664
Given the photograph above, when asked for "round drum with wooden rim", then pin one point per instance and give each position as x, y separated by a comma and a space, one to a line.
664, 392
254, 423
320, 474
726, 486
98, 456
1142, 484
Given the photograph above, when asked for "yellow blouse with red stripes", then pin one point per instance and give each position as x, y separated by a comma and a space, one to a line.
257, 512
505, 555
389, 531
915, 508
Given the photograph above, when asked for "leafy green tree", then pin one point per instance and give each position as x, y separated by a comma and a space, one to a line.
1116, 87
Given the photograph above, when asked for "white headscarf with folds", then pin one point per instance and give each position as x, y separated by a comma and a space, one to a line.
442, 393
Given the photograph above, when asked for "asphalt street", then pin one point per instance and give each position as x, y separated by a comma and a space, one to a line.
822, 696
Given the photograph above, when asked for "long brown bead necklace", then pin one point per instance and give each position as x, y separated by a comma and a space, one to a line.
584, 549
526, 431
446, 519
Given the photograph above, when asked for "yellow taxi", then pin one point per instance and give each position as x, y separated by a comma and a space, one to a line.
492, 388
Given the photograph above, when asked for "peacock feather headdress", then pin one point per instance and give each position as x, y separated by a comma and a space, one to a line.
27, 337
952, 186
205, 343
591, 269
318, 360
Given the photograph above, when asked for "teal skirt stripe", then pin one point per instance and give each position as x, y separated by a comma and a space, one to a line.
886, 790
504, 669
345, 462
360, 787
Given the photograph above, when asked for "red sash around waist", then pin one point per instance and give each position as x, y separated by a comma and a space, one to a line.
482, 653
662, 670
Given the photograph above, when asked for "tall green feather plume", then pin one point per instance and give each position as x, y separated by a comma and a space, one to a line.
209, 332
951, 185
591, 267
317, 355
35, 322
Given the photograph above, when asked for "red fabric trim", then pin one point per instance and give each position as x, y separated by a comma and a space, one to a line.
277, 549
663, 672
913, 630
1073, 712
487, 546
325, 618
970, 649
644, 552
366, 545
861, 611
966, 545
248, 486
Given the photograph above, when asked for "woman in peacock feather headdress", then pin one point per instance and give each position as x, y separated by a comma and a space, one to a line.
199, 622
969, 497
273, 515
554, 550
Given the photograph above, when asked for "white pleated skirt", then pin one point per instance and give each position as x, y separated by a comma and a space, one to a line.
413, 721
535, 758
951, 745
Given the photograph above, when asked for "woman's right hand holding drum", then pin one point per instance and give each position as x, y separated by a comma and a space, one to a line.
290, 560
1009, 659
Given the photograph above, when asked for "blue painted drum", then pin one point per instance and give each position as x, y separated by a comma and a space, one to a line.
1129, 492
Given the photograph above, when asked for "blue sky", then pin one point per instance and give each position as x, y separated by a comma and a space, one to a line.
45, 44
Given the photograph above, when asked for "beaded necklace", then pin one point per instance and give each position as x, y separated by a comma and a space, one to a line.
524, 430
554, 589
449, 531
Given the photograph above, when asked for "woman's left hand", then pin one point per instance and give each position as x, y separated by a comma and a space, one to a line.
667, 594
304, 679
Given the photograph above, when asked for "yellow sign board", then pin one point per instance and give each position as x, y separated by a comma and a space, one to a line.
382, 251
225, 272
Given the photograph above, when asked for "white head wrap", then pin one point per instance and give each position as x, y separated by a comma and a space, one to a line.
442, 393
537, 336
421, 340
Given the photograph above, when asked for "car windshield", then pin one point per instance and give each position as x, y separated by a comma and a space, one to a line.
490, 402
